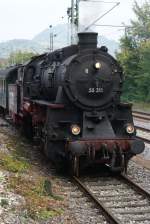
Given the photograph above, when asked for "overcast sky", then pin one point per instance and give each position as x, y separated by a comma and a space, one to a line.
26, 18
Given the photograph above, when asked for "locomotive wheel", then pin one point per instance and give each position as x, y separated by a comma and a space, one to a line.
126, 161
117, 164
126, 166
75, 166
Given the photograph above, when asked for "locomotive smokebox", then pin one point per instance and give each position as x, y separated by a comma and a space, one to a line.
87, 40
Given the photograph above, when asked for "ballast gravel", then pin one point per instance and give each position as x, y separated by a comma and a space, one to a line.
79, 209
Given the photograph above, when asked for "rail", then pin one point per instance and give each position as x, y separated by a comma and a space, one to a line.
135, 186
106, 212
109, 211
141, 112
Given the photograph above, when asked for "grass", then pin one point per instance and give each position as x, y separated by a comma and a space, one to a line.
39, 202
4, 203
12, 164
2, 178
47, 214
15, 158
37, 190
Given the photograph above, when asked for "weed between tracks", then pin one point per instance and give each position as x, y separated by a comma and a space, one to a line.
41, 199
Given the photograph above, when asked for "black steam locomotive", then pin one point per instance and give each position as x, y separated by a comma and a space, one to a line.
69, 101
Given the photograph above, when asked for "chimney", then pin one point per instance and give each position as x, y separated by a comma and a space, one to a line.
87, 40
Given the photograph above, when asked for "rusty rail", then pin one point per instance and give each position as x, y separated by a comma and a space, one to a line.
144, 139
135, 186
142, 129
145, 130
141, 115
141, 112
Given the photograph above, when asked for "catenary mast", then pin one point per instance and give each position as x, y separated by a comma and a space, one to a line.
73, 14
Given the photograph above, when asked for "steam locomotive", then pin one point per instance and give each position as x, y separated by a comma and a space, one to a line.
69, 101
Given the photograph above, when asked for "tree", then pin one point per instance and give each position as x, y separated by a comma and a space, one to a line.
143, 80
20, 57
134, 55
141, 27
128, 58
3, 62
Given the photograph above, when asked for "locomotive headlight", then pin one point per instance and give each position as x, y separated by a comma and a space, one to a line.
130, 128
75, 129
97, 65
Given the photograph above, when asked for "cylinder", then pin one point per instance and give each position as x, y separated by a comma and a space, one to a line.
87, 40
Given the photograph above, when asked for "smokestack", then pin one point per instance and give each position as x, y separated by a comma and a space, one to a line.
87, 40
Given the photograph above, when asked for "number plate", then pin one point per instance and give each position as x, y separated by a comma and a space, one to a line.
96, 90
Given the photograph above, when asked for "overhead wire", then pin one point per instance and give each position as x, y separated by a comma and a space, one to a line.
100, 17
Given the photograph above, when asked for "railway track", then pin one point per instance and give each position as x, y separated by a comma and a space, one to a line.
141, 112
119, 199
141, 115
145, 117
144, 139
145, 130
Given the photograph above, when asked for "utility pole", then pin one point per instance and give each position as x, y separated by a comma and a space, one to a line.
73, 15
51, 39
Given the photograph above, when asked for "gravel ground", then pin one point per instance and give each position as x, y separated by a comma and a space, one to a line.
80, 206
13, 206
77, 208
139, 174
124, 202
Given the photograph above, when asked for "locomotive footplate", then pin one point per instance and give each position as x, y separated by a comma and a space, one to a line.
96, 149
115, 153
